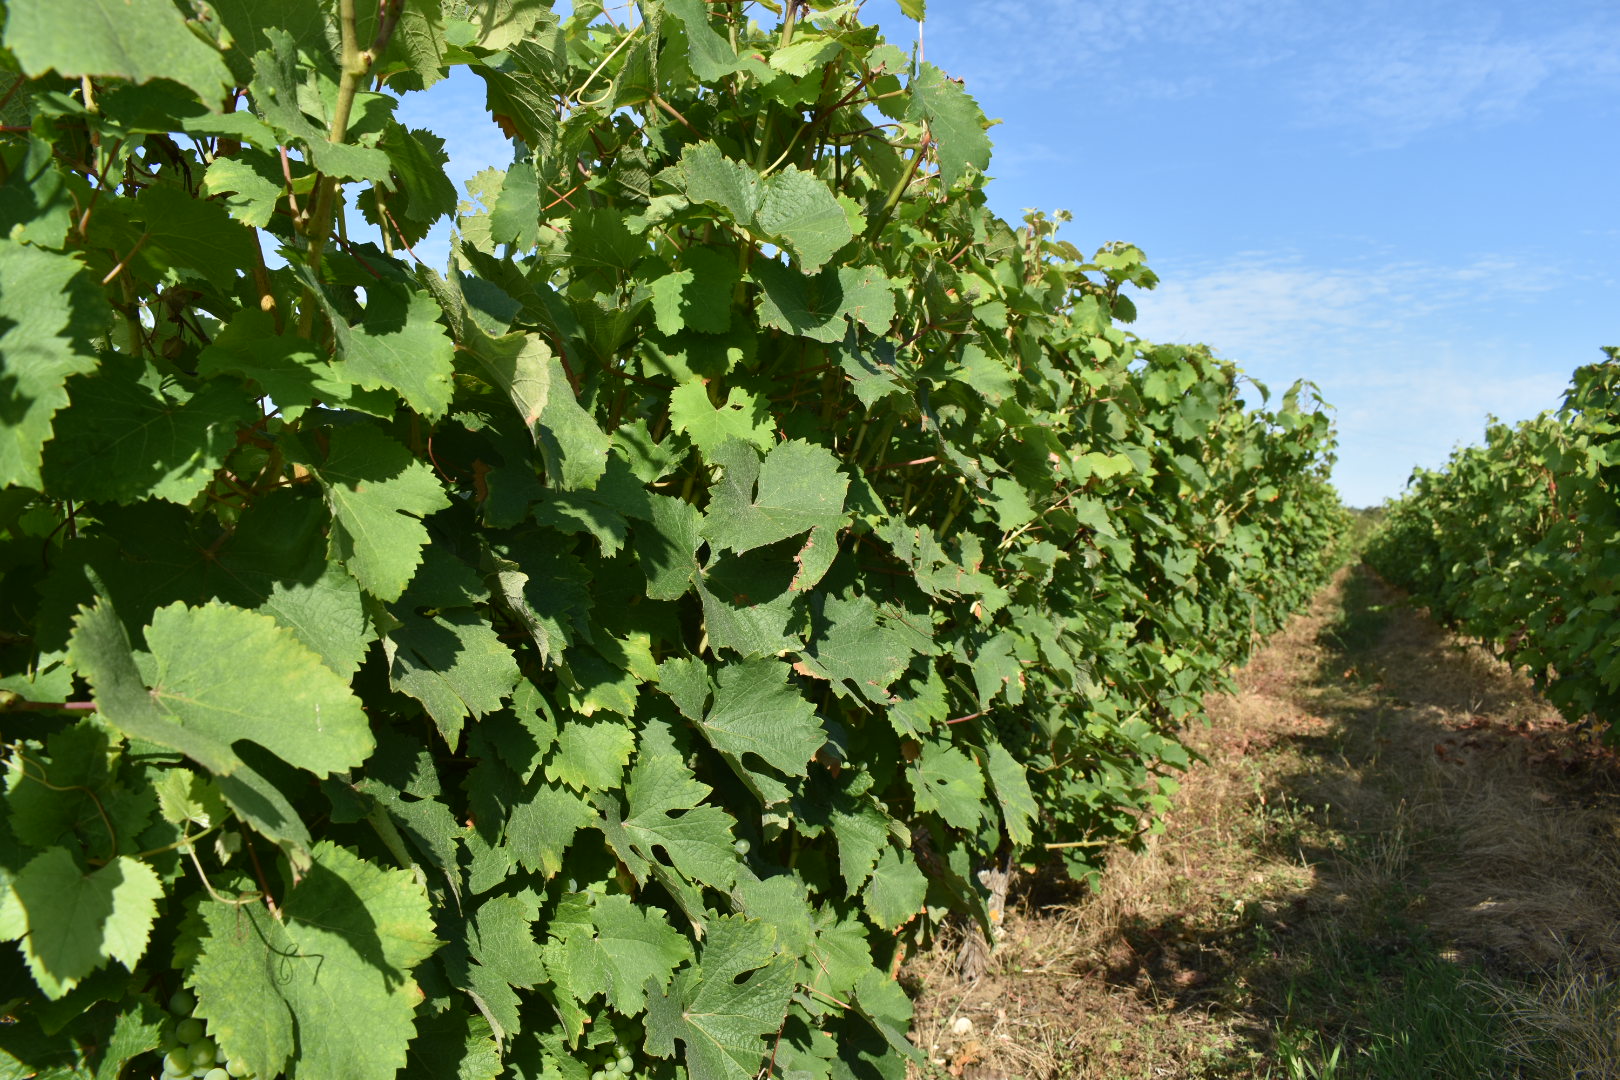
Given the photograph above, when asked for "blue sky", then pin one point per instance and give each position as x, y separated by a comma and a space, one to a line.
1414, 205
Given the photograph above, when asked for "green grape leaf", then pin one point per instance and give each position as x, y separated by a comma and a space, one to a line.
615, 948
704, 303
666, 300
515, 217
276, 562
505, 943
722, 1009
708, 176
853, 644
591, 754
220, 674
949, 783
666, 547
1018, 806
744, 417
796, 489
816, 307
599, 239
331, 980
398, 345
138, 40
710, 55
377, 491
757, 711
955, 122
249, 185
574, 447
248, 20
454, 664
896, 890
800, 213
667, 811
541, 828
77, 922
36, 204
499, 24
194, 233
51, 314
520, 365
120, 440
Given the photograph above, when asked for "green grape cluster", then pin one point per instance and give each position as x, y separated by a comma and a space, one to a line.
188, 1052
614, 1063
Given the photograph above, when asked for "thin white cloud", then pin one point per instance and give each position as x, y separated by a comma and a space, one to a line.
1406, 351
1384, 72
1410, 80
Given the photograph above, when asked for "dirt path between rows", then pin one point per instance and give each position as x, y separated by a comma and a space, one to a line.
1397, 861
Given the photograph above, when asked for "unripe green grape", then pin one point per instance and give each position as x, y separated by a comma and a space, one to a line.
610, 1067
599, 1074
183, 1003
741, 847
625, 1064
202, 1053
177, 1062
237, 1067
216, 1074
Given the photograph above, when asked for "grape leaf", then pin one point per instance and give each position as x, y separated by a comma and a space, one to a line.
121, 440
519, 364
278, 79
757, 711
454, 664
816, 306
136, 40
613, 947
77, 922
250, 183
397, 345
220, 674
591, 754
515, 217
541, 828
708, 176
722, 1009
896, 890
800, 213
949, 783
955, 122
331, 978
51, 313
667, 811
377, 490
797, 488
194, 233
1018, 806
852, 644
666, 547
575, 449
744, 417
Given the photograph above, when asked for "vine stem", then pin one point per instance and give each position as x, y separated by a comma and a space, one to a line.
790, 20
356, 65
900, 186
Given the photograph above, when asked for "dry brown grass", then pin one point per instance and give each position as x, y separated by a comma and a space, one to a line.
1375, 790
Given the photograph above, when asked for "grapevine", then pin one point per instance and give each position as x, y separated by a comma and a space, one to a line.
1517, 541
607, 655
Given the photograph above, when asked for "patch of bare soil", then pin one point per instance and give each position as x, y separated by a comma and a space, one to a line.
1396, 860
